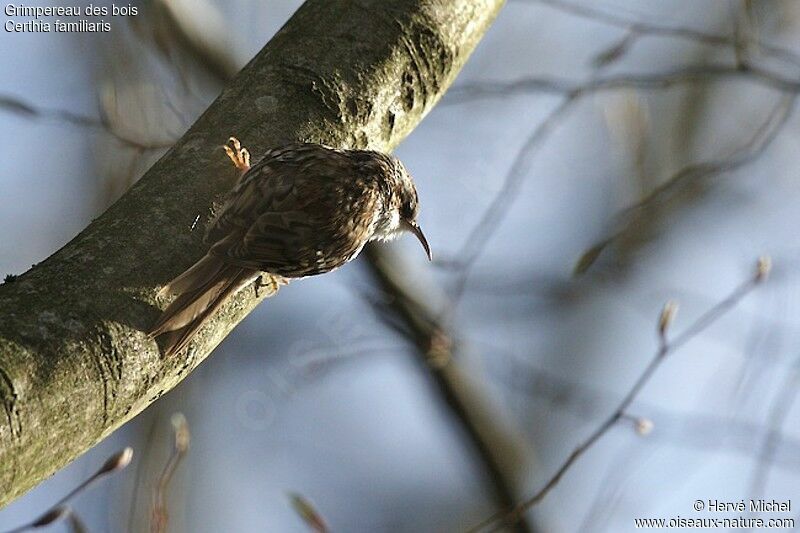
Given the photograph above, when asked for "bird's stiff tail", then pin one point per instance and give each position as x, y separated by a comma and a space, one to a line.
200, 291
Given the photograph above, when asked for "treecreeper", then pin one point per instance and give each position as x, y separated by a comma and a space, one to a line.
303, 209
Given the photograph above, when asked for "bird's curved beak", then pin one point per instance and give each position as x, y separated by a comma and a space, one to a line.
414, 228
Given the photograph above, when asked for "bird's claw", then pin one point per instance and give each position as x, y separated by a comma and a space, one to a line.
238, 154
270, 282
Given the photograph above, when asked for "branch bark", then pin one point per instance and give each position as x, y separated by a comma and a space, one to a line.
74, 363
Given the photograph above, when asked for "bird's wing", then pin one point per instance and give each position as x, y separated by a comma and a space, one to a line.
291, 217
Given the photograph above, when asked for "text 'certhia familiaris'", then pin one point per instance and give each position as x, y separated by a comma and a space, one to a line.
301, 210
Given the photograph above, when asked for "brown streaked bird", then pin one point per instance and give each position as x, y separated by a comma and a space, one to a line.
303, 209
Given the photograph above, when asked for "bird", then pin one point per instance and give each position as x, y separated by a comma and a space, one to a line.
301, 210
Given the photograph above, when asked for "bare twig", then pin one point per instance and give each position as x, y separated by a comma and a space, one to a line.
641, 28
780, 407
694, 173
13, 104
308, 513
661, 80
61, 511
76, 525
687, 430
494, 214
743, 31
115, 463
480, 235
159, 515
202, 39
666, 346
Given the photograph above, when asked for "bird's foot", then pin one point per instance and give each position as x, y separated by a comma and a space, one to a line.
238, 154
260, 284
269, 281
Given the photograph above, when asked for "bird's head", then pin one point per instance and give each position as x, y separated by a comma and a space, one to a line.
401, 208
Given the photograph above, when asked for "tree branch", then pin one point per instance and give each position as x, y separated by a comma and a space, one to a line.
666, 347
74, 363
418, 306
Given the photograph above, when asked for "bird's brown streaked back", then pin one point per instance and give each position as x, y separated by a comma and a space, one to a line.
303, 209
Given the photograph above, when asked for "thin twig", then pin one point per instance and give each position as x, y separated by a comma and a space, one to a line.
692, 431
780, 407
660, 80
182, 437
308, 513
61, 511
655, 29
476, 240
482, 232
13, 104
743, 155
666, 346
